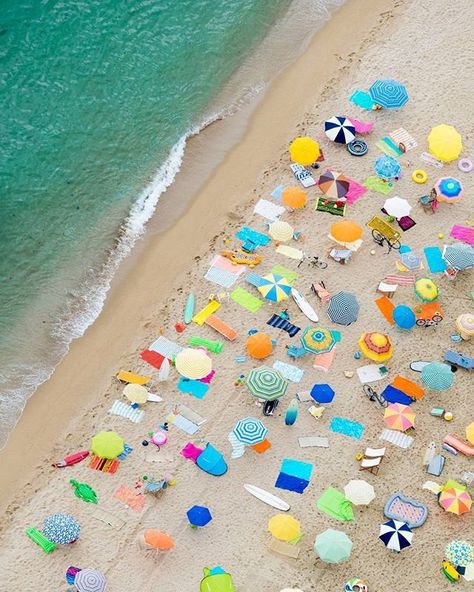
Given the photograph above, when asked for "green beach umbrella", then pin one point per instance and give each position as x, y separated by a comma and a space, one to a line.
333, 546
437, 376
266, 383
317, 340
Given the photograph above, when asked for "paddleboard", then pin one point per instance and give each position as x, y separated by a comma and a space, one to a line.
267, 498
418, 365
304, 306
189, 309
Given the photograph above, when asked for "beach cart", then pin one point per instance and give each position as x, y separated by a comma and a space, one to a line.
384, 233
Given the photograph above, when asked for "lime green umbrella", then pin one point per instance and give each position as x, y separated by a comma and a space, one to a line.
107, 445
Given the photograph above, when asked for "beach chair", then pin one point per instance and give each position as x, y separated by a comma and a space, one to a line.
387, 290
320, 290
372, 459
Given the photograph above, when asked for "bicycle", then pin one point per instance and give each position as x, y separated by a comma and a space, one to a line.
375, 396
314, 261
435, 319
380, 239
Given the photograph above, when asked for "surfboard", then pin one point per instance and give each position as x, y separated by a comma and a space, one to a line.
189, 309
267, 498
304, 306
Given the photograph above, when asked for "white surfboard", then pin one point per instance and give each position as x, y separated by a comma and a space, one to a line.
304, 306
266, 497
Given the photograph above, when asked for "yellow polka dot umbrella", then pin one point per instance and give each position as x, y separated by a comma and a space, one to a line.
444, 142
193, 363
426, 290
284, 527
304, 151
376, 346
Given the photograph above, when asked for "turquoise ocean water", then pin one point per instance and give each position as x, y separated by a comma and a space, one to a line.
97, 99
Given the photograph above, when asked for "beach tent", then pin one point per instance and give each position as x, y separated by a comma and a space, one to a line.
376, 346
284, 527
90, 580
389, 94
294, 197
333, 546
304, 151
107, 445
339, 129
444, 143
193, 363
61, 529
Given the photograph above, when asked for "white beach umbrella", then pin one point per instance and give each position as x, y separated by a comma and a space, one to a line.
359, 492
397, 206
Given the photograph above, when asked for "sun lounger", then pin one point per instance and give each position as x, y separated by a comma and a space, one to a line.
132, 378
302, 175
387, 290
223, 328
372, 459
206, 312
320, 290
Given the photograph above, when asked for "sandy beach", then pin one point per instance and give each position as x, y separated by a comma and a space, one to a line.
425, 45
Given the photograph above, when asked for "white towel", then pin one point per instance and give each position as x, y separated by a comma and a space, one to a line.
124, 410
397, 438
268, 210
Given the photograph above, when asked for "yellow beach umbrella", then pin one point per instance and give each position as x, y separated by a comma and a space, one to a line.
284, 527
470, 432
193, 363
281, 231
294, 197
136, 393
304, 151
107, 445
426, 289
444, 143
376, 346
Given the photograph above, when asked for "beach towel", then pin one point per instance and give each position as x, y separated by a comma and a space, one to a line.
289, 371
388, 147
401, 136
395, 395
152, 357
190, 414
276, 193
268, 209
290, 252
386, 306
434, 259
294, 475
182, 423
105, 465
360, 126
362, 99
167, 348
405, 223
334, 503
463, 233
430, 159
330, 207
255, 280
376, 184
258, 238
126, 410
302, 175
313, 441
355, 191
401, 280
396, 438
370, 373
283, 324
410, 388
196, 388
246, 300
290, 275
341, 425
131, 497
238, 449
324, 361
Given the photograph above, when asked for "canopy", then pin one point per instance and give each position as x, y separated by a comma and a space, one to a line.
193, 363
284, 527
136, 393
346, 231
294, 197
465, 325
411, 260
333, 546
459, 553
444, 142
281, 231
317, 340
459, 256
399, 417
389, 94
334, 184
448, 190
107, 445
343, 308
304, 151
437, 376
454, 500
426, 289
359, 492
158, 540
61, 529
90, 580
259, 345
266, 383
339, 129
322, 393
250, 431
199, 516
396, 535
397, 207
376, 346
275, 287
470, 432
387, 167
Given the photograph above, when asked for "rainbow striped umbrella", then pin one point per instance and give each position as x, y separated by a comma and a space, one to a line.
455, 500
274, 287
448, 189
399, 417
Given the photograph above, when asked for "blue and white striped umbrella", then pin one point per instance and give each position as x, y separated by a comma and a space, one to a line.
387, 167
343, 308
90, 580
459, 256
437, 376
389, 94
250, 431
61, 528
339, 129
396, 535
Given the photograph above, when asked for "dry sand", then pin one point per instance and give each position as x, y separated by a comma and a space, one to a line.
424, 44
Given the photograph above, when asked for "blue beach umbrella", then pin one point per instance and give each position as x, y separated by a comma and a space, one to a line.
339, 129
387, 167
404, 317
274, 287
250, 431
437, 376
389, 94
343, 308
61, 529
322, 393
396, 535
199, 516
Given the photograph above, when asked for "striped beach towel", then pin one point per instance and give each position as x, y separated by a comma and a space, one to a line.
401, 136
397, 438
127, 411
401, 280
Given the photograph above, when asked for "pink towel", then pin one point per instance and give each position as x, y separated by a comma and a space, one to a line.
192, 452
361, 127
463, 233
324, 361
227, 265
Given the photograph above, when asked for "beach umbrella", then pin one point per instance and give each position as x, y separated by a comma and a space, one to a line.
158, 540
470, 432
136, 393
399, 417
346, 231
164, 370
444, 142
411, 260
90, 580
193, 363
317, 340
199, 516
396, 535
275, 287
284, 527
343, 308
107, 445
426, 289
322, 393
250, 431
397, 207
448, 190
376, 346
61, 529
281, 231
465, 325
389, 94
459, 553
259, 345
455, 500
437, 376
459, 256
404, 317
266, 383
339, 129
334, 184
387, 167
333, 546
359, 492
304, 151
294, 197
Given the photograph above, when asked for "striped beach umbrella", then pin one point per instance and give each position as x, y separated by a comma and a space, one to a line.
61, 529
396, 535
387, 167
333, 546
455, 500
343, 308
425, 289
90, 580
437, 376
411, 260
399, 417
281, 231
459, 553
465, 325
266, 383
376, 346
334, 184
339, 129
448, 190
389, 94
274, 287
459, 256
250, 431
317, 340
444, 142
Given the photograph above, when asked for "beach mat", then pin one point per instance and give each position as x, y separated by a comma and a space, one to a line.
289, 371
166, 347
290, 252
294, 475
132, 378
246, 300
288, 274
344, 426
386, 307
434, 259
330, 207
376, 184
153, 358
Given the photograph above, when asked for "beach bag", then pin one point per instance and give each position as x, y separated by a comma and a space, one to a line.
220, 582
211, 461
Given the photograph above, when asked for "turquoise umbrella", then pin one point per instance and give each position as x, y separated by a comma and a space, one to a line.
387, 167
333, 546
266, 383
389, 94
437, 376
274, 287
